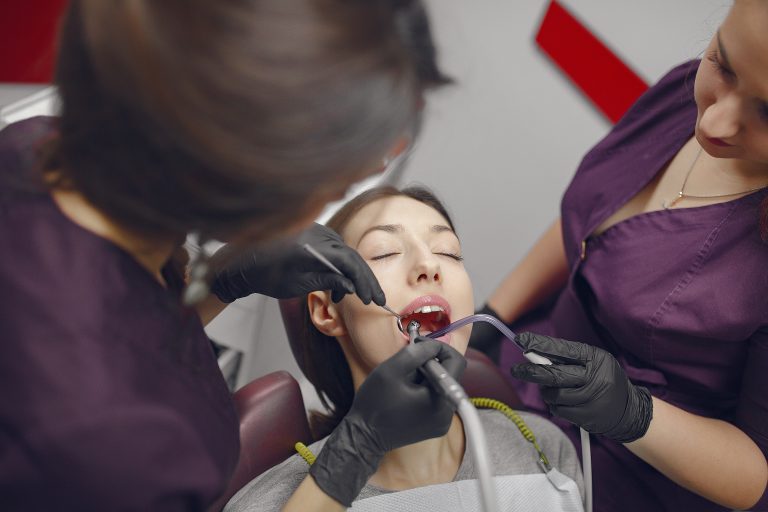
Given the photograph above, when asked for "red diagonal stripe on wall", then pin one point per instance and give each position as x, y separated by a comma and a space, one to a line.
28, 39
589, 63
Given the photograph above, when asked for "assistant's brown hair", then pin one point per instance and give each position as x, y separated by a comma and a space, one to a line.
201, 115
320, 356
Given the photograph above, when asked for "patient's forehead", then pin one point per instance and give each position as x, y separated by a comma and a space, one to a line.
410, 213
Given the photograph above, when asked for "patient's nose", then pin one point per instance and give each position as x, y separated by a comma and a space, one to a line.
426, 268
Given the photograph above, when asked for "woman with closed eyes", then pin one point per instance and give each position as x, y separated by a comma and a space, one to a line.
410, 243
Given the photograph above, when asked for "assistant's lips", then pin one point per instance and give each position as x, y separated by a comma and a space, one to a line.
718, 142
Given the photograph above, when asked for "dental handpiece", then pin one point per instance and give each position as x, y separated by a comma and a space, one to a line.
325, 261
444, 383
438, 376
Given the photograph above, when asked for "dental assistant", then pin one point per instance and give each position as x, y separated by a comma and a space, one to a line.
659, 265
235, 120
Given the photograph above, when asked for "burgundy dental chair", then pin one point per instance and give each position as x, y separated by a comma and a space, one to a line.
273, 419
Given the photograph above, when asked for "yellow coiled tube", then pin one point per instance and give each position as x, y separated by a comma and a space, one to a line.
305, 452
480, 403
490, 403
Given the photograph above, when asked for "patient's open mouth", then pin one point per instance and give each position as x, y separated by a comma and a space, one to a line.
431, 317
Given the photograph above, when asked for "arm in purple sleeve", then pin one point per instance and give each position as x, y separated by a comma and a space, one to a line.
721, 461
123, 459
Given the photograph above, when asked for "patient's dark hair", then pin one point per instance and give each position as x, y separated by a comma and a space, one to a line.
321, 358
214, 115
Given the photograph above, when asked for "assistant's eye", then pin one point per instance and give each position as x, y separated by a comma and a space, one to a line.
763, 110
721, 70
451, 255
384, 256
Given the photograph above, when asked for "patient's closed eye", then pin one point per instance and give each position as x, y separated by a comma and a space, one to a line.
452, 255
385, 255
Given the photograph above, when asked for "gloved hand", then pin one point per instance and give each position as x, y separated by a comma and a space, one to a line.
393, 407
288, 270
586, 386
485, 337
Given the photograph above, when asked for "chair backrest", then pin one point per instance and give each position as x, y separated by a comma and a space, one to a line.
272, 420
292, 311
482, 378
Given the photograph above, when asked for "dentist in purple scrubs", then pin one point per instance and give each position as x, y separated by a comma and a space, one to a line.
238, 120
658, 265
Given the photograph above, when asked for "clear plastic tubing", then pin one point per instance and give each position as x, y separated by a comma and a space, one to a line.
472, 319
586, 454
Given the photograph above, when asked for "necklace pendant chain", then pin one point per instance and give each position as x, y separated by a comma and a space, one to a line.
670, 204
681, 194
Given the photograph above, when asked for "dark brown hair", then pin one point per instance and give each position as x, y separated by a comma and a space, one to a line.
321, 357
209, 116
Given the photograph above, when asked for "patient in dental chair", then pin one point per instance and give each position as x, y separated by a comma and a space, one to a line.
409, 241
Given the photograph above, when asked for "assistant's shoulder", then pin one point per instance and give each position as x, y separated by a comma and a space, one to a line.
661, 113
20, 144
26, 133
673, 91
270, 491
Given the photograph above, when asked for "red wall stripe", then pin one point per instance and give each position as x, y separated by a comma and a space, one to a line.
589, 63
28, 39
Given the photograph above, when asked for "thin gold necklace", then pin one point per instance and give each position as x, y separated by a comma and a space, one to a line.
682, 195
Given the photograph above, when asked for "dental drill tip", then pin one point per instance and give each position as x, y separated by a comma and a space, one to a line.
413, 329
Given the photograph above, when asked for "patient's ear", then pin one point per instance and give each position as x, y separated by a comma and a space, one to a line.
325, 314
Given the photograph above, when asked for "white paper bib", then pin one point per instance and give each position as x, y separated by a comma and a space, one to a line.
551, 492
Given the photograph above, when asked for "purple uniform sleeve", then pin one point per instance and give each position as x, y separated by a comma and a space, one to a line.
752, 411
126, 459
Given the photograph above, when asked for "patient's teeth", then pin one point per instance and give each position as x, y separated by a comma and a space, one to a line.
429, 309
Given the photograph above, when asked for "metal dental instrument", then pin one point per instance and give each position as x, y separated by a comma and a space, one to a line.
322, 259
444, 383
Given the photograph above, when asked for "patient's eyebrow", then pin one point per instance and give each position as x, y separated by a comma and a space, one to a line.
398, 228
388, 228
440, 228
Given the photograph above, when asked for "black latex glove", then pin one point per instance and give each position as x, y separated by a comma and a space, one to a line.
485, 337
288, 270
586, 386
394, 407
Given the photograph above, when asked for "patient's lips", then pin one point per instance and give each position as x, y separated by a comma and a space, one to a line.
431, 311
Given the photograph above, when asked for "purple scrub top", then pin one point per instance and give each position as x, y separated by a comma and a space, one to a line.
680, 296
110, 394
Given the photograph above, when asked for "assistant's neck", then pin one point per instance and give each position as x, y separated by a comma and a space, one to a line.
152, 253
429, 462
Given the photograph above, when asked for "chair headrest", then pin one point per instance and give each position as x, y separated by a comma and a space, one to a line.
292, 311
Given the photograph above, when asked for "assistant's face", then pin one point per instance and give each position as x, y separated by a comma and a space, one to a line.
416, 257
731, 88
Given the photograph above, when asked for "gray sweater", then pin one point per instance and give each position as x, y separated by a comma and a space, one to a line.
510, 454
